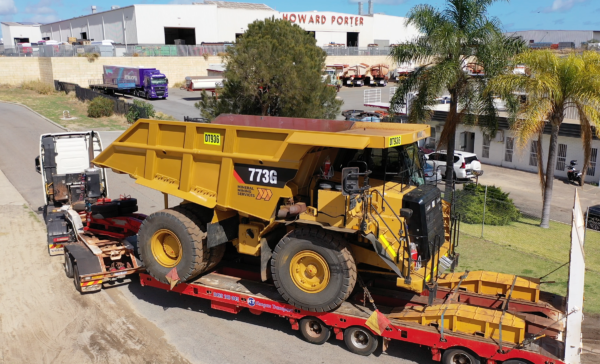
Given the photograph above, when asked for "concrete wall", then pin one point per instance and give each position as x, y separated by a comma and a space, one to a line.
15, 70
78, 70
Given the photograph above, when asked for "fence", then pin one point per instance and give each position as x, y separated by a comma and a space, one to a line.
160, 50
85, 94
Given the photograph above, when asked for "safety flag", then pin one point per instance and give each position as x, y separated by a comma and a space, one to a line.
172, 277
378, 322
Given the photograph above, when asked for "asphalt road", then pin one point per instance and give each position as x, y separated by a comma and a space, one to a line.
199, 333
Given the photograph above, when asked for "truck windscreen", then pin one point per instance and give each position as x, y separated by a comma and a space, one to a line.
402, 163
159, 81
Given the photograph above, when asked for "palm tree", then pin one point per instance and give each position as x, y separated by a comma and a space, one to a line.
462, 34
552, 85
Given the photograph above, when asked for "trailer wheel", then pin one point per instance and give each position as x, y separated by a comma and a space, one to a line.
313, 269
459, 356
173, 238
76, 278
314, 330
68, 265
360, 340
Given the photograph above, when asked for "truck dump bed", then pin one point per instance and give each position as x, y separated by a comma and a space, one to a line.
210, 164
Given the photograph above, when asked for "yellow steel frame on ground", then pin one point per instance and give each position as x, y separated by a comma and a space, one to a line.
494, 284
466, 319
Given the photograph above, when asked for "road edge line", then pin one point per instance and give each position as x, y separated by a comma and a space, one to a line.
35, 112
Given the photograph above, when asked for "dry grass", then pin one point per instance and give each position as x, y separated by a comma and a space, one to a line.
53, 105
39, 87
162, 116
178, 84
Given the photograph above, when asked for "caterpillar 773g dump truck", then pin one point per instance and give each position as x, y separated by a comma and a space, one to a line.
318, 201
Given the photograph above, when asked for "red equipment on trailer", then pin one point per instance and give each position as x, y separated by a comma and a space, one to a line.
232, 290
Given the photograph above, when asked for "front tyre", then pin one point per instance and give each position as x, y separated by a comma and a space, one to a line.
313, 269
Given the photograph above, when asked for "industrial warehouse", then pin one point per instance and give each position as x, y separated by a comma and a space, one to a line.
217, 22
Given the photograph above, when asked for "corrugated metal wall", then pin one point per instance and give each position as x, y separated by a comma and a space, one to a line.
556, 36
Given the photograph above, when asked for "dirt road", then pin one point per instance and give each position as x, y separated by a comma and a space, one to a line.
44, 320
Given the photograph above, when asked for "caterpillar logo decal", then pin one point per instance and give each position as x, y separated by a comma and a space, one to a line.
395, 141
264, 194
212, 138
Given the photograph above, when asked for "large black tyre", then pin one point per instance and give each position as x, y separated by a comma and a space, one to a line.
314, 330
360, 340
459, 356
324, 250
68, 265
181, 226
205, 215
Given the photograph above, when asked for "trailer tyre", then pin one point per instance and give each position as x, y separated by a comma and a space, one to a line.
313, 269
459, 356
76, 279
173, 238
68, 265
360, 341
314, 330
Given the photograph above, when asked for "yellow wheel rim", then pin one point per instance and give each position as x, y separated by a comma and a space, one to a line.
166, 248
309, 271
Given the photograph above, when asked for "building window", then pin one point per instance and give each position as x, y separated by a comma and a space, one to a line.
485, 153
508, 154
533, 152
562, 157
593, 158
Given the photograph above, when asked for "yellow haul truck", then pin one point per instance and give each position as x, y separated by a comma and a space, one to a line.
317, 200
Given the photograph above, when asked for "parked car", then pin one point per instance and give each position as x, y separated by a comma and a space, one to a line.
464, 163
432, 173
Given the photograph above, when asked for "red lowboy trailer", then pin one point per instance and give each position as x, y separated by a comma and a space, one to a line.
233, 290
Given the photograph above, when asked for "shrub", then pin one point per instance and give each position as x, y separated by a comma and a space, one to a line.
206, 55
139, 109
178, 84
162, 116
499, 208
39, 87
101, 106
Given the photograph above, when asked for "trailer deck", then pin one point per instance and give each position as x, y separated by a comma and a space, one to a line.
228, 292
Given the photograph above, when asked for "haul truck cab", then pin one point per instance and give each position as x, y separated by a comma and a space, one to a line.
83, 224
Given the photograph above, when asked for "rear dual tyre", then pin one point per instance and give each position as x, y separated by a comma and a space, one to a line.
176, 238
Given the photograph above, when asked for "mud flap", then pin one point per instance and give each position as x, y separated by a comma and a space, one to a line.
383, 253
222, 231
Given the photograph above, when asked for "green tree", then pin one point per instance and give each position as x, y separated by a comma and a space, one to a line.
553, 84
459, 37
274, 69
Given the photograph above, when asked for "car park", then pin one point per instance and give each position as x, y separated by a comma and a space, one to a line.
464, 164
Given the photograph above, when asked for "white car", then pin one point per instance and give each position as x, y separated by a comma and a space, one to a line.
432, 173
464, 163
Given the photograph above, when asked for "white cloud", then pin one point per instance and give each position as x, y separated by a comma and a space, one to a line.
561, 5
43, 12
7, 7
43, 19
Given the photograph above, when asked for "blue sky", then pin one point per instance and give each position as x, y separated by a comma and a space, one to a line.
514, 15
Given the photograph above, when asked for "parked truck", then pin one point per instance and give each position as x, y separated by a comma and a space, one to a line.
148, 83
90, 230
324, 205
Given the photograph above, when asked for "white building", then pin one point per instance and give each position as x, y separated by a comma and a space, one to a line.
502, 150
221, 21
14, 33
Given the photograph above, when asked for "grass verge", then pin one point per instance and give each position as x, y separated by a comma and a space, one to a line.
525, 249
53, 105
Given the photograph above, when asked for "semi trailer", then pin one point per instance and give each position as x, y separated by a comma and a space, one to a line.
148, 83
322, 206
83, 225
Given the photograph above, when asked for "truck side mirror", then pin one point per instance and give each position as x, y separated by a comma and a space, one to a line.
350, 183
38, 167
